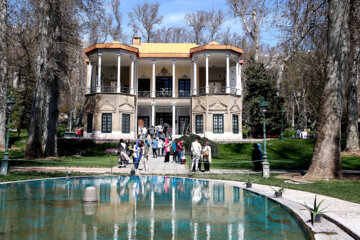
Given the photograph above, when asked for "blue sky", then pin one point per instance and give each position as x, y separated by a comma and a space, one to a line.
175, 10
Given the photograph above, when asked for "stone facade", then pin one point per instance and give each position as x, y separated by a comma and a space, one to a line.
195, 89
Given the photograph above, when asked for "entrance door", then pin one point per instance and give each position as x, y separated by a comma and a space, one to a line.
162, 118
184, 123
143, 121
163, 86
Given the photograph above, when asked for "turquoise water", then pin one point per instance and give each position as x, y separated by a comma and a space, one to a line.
145, 207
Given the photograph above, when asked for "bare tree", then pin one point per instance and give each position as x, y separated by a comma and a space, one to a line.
3, 70
352, 133
299, 18
172, 35
205, 25
251, 13
143, 18
326, 160
44, 112
116, 30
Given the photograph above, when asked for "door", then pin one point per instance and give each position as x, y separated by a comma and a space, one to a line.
162, 118
163, 86
143, 121
184, 123
184, 88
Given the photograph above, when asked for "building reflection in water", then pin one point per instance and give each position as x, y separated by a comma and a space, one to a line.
138, 207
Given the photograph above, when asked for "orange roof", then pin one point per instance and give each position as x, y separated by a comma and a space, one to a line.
164, 50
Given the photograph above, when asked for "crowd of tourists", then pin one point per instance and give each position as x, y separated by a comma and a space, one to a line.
138, 152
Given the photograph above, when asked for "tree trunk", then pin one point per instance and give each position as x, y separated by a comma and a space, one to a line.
3, 71
44, 111
352, 132
326, 160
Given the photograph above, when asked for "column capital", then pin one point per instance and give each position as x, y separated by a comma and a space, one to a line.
227, 54
153, 61
173, 103
153, 104
99, 54
195, 59
119, 54
173, 61
207, 55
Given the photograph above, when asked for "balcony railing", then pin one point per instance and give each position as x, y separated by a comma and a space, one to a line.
164, 93
109, 89
144, 94
217, 90
183, 94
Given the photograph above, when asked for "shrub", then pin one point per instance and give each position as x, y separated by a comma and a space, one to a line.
84, 147
191, 138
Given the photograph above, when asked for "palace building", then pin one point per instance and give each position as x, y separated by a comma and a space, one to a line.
195, 89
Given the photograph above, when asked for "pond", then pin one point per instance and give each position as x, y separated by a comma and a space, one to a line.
141, 207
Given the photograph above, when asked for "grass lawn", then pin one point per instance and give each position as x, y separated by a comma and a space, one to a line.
17, 176
287, 154
348, 190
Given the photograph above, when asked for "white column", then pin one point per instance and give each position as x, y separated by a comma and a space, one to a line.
135, 77
173, 118
207, 72
153, 104
240, 83
227, 73
99, 73
153, 80
132, 76
89, 72
237, 77
173, 79
119, 73
195, 78
93, 78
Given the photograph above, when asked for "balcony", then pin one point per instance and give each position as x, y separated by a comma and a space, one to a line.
217, 90
108, 89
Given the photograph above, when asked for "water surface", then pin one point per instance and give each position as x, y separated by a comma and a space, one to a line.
145, 207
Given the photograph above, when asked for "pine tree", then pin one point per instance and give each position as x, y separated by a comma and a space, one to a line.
258, 83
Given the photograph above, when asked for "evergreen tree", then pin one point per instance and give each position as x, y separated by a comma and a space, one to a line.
259, 86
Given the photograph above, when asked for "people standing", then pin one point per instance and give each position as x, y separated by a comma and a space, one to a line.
137, 153
167, 150
196, 152
152, 131
160, 147
174, 148
154, 147
146, 153
144, 132
180, 148
256, 157
169, 132
206, 152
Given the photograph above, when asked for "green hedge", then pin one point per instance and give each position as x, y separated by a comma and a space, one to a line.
189, 139
83, 147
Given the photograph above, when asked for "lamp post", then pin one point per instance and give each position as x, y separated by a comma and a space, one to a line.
283, 112
5, 161
265, 164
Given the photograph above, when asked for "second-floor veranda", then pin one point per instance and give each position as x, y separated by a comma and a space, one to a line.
206, 72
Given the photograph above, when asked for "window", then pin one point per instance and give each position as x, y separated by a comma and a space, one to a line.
106, 123
184, 88
199, 124
218, 123
125, 123
89, 126
235, 122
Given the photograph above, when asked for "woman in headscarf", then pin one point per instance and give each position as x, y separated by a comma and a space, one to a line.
206, 152
256, 157
167, 150
137, 153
